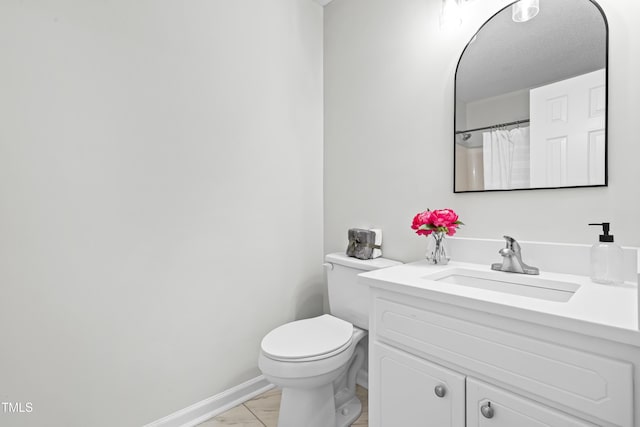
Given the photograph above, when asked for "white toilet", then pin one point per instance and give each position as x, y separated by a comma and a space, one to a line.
315, 361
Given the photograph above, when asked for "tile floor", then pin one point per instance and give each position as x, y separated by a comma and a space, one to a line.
262, 411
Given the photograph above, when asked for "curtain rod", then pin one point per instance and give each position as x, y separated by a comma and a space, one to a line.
517, 122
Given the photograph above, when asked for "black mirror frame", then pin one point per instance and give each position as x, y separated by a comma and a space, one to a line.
606, 116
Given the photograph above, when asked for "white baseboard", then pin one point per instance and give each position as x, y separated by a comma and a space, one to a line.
221, 402
215, 405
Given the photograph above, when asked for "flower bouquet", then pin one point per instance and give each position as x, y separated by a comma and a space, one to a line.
436, 223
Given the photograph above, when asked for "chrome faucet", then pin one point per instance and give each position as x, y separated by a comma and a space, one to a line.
512, 261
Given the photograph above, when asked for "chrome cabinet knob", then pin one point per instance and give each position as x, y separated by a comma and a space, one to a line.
487, 410
440, 390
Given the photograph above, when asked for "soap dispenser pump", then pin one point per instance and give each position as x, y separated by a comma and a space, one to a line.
606, 258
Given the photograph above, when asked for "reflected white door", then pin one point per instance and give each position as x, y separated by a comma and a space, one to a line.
568, 132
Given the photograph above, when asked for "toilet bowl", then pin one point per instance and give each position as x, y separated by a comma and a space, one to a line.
315, 361
309, 359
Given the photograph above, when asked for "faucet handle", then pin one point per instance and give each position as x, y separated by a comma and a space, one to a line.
512, 243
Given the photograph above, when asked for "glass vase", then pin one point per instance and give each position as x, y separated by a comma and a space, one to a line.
436, 248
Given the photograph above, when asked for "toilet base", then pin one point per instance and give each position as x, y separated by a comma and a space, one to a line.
297, 404
349, 412
307, 407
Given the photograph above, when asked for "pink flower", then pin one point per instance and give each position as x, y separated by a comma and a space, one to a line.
440, 220
443, 217
420, 219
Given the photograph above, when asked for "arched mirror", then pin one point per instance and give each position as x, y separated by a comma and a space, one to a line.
531, 100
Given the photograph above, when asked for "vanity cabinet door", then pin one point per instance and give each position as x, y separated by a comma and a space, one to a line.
408, 391
488, 406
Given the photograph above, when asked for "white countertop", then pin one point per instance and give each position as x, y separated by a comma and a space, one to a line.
604, 311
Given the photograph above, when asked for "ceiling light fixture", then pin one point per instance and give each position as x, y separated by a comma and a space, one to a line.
524, 10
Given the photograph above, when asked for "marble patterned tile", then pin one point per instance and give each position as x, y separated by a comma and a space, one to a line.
238, 416
266, 407
262, 411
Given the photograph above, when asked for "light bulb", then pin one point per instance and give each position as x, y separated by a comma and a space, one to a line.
524, 10
450, 15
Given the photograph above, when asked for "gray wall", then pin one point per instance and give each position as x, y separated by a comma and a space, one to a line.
389, 77
161, 199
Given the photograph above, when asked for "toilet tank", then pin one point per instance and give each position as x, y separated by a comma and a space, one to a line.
349, 299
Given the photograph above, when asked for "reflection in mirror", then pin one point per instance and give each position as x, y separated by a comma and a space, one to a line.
531, 98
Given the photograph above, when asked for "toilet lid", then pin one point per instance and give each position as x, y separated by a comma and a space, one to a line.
308, 338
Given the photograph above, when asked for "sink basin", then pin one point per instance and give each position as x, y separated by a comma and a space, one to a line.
509, 283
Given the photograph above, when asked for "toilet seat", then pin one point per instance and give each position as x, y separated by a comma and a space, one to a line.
309, 339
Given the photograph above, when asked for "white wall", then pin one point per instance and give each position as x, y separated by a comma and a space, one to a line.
389, 75
160, 199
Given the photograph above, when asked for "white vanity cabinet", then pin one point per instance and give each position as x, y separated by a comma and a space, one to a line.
410, 391
489, 406
414, 392
526, 373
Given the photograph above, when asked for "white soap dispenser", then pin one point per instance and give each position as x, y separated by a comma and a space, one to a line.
606, 259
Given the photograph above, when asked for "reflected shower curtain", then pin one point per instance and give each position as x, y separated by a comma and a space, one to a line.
506, 159
520, 159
